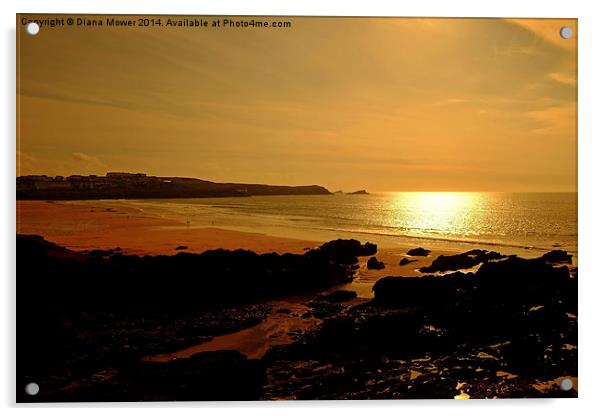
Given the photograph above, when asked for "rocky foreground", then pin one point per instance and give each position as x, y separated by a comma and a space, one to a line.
508, 330
85, 320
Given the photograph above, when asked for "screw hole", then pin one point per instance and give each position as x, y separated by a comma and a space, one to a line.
32, 389
566, 32
32, 28
566, 384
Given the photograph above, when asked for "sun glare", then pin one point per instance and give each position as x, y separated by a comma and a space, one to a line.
429, 211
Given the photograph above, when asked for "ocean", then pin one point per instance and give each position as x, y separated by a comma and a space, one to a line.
509, 221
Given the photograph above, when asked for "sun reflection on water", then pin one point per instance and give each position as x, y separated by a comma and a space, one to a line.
436, 211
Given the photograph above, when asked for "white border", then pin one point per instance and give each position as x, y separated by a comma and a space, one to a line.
590, 233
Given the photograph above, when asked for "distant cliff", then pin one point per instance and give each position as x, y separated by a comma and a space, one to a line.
139, 186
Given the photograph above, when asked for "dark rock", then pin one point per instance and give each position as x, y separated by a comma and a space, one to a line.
405, 261
284, 311
182, 248
461, 261
374, 264
340, 296
93, 312
360, 192
419, 251
182, 281
345, 251
417, 338
214, 375
515, 279
101, 253
323, 309
421, 290
327, 306
420, 335
557, 256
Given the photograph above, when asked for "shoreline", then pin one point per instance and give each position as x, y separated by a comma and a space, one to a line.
104, 228
109, 224
107, 227
104, 225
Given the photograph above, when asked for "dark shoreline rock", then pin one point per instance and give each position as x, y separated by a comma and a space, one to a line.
461, 261
375, 264
405, 261
114, 281
341, 296
419, 251
558, 257
214, 375
347, 251
421, 336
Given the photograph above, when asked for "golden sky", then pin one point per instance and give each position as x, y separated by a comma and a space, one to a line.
384, 104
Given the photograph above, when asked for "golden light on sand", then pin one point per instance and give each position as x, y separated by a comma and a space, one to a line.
462, 396
428, 211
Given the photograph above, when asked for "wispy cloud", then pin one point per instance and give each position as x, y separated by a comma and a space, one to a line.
555, 121
91, 160
451, 101
548, 30
563, 78
519, 50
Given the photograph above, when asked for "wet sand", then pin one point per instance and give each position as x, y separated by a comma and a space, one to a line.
89, 227
277, 329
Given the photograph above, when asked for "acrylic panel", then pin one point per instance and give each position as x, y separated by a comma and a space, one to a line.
295, 208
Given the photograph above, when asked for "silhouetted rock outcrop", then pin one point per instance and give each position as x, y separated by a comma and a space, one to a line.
419, 251
405, 261
346, 251
340, 296
214, 375
461, 261
181, 281
421, 290
516, 280
557, 256
503, 331
374, 264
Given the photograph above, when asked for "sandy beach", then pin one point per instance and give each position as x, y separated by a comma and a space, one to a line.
87, 227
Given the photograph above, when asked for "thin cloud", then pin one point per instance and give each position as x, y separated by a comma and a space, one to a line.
92, 160
555, 121
562, 78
